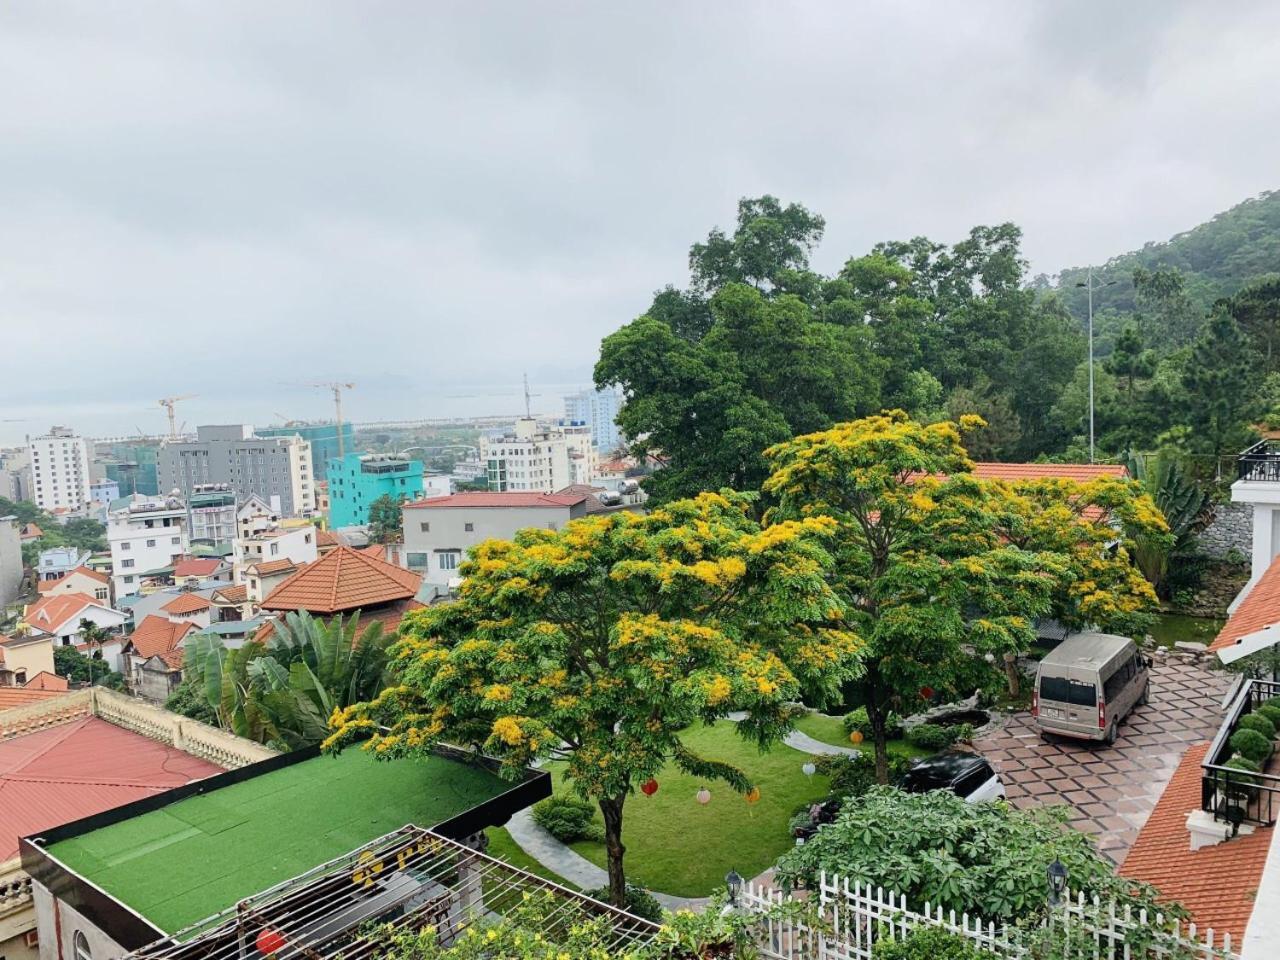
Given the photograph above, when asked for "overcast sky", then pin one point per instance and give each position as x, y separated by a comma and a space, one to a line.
233, 199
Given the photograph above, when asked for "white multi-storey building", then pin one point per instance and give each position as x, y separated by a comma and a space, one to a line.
276, 469
598, 409
59, 470
147, 534
537, 457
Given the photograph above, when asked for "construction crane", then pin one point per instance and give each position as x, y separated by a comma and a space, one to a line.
168, 403
337, 389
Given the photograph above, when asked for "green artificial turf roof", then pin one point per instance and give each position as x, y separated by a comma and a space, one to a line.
194, 858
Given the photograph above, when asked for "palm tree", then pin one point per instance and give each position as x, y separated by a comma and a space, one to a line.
283, 693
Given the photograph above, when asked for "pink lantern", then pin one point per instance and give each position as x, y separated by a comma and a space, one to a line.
704, 796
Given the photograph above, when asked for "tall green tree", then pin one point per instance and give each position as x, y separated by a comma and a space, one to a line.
598, 644
1256, 309
385, 520
933, 565
1219, 384
1167, 315
769, 248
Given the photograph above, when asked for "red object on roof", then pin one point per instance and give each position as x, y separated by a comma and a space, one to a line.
158, 635
1216, 883
1082, 472
1259, 608
44, 680
198, 567
77, 769
186, 603
343, 579
52, 611
11, 697
511, 498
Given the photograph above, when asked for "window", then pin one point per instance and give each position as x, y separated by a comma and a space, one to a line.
449, 559
275, 548
151, 543
175, 540
80, 946
126, 564
1117, 681
128, 579
469, 527
126, 545
424, 527
1062, 690
417, 561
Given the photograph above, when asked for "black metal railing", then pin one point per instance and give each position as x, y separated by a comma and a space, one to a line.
1260, 462
1239, 796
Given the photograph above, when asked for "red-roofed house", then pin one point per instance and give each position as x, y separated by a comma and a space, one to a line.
189, 608
79, 580
60, 614
23, 656
439, 531
153, 656
30, 532
197, 569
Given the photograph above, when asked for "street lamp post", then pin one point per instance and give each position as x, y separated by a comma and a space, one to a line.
1090, 284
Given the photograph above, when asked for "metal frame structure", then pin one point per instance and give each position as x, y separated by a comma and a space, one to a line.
403, 881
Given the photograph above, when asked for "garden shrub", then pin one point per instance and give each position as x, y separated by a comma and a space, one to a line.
1273, 702
1256, 721
928, 943
567, 819
1242, 787
931, 736
1251, 745
1270, 712
857, 720
639, 901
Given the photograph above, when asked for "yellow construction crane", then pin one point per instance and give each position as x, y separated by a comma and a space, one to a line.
337, 389
168, 403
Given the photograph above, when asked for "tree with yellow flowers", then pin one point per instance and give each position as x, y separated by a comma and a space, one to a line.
934, 566
600, 643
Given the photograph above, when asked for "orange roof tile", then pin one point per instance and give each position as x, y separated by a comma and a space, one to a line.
343, 579
376, 550
197, 567
327, 538
44, 586
274, 566
31, 532
1259, 608
53, 610
1217, 883
1040, 471
44, 680
237, 594
156, 635
20, 696
511, 498
186, 603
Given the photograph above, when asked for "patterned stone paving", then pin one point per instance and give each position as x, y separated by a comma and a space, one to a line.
1112, 790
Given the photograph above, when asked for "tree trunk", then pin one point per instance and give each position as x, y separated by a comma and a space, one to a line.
876, 716
1012, 674
611, 809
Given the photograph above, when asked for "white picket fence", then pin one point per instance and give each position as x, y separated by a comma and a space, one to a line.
856, 916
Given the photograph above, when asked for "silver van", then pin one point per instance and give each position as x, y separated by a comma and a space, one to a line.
1088, 684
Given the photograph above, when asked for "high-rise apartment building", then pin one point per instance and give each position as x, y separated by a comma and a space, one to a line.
598, 409
276, 469
538, 457
322, 436
59, 470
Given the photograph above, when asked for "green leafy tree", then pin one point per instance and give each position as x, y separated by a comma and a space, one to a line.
384, 520
769, 248
598, 644
1185, 504
283, 693
1256, 309
1003, 432
1219, 384
1167, 314
984, 859
78, 668
188, 699
933, 565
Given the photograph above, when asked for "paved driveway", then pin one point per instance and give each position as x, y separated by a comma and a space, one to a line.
1112, 789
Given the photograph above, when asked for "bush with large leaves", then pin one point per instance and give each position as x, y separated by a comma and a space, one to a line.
1187, 508
986, 859
283, 693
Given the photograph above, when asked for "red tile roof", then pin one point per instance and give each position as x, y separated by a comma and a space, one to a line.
511, 498
376, 550
274, 566
186, 603
74, 770
343, 579
1259, 608
1216, 883
389, 615
44, 680
52, 611
20, 696
156, 635
1039, 471
327, 538
197, 567
31, 532
44, 586
237, 594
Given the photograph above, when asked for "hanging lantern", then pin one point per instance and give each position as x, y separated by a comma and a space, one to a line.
269, 941
809, 769
855, 737
704, 796
753, 796
649, 787
926, 692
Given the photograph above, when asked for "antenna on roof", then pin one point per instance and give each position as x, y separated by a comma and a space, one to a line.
528, 414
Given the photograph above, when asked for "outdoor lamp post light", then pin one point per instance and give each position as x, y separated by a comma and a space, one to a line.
809, 768
1092, 287
1057, 882
733, 881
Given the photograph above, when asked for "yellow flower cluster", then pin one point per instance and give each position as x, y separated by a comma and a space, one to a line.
509, 731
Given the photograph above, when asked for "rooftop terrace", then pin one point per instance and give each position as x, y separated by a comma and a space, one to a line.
199, 854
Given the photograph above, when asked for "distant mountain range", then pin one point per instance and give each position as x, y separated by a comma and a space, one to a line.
1217, 258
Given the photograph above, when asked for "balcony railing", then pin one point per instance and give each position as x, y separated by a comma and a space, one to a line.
1239, 796
1260, 462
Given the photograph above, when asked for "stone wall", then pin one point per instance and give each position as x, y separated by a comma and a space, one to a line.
1231, 529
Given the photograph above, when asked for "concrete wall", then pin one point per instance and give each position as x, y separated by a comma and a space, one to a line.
448, 532
58, 923
10, 561
1231, 529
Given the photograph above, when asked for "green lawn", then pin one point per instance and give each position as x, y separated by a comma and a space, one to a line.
831, 730
676, 846
503, 847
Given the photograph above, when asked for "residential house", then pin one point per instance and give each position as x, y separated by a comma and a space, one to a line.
438, 532
147, 536
67, 756
211, 513
57, 562
104, 491
358, 479
295, 544
59, 470
80, 580
60, 616
275, 469
153, 655
263, 577
30, 532
253, 516
327, 540
189, 608
24, 657
10, 561
189, 571
232, 603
